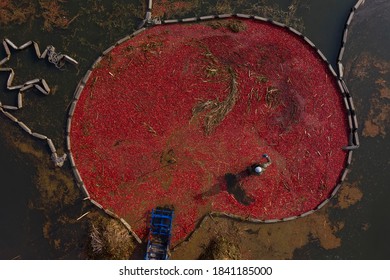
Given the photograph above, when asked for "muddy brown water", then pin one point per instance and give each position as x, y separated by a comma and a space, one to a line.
40, 205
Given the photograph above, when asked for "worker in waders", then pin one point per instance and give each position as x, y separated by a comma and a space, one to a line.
258, 168
233, 181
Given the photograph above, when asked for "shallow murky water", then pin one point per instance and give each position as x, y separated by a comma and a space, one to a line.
40, 205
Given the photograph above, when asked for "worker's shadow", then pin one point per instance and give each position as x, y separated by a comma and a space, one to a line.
232, 184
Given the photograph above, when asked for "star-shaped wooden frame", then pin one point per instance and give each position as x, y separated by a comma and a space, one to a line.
40, 84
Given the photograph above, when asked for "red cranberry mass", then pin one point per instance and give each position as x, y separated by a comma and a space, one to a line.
167, 114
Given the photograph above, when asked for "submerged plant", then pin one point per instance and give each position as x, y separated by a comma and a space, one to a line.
109, 239
218, 110
53, 14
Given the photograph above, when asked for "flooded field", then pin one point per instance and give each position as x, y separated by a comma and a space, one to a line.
40, 204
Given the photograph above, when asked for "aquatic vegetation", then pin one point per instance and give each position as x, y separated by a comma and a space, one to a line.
218, 110
371, 69
109, 239
272, 97
275, 13
232, 25
221, 248
349, 195
168, 8
223, 6
53, 14
16, 12
113, 15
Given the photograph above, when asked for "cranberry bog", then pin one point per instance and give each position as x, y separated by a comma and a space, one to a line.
165, 115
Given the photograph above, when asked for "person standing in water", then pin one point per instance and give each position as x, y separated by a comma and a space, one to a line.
258, 168
233, 181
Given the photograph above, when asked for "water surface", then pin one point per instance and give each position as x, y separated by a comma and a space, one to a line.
39, 204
